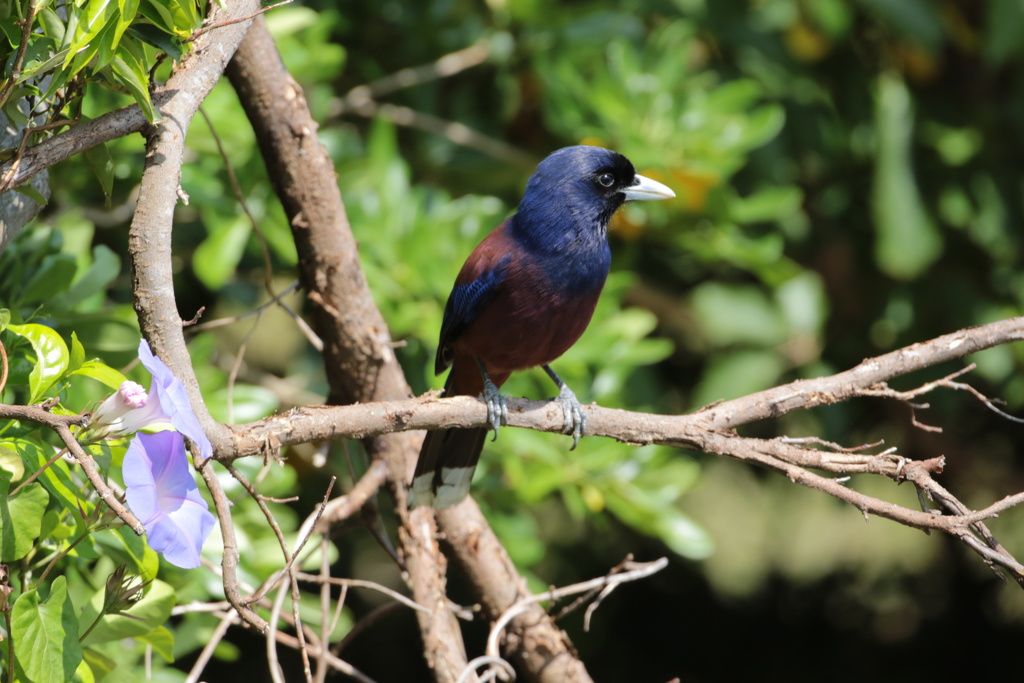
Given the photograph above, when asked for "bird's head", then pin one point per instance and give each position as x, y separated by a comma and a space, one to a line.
575, 191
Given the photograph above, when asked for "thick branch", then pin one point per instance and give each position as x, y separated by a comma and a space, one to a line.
357, 348
149, 239
358, 351
316, 423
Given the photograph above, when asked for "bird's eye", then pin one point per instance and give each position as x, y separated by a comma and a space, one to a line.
606, 180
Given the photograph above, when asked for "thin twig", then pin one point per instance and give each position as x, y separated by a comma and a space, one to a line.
19, 57
633, 572
226, 620
229, 22
360, 583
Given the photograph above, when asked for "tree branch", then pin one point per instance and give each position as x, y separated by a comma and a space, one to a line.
149, 241
358, 356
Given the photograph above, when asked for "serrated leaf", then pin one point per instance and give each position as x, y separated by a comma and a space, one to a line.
21, 517
45, 634
52, 357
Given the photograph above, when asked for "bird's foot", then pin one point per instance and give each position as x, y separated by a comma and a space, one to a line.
575, 420
497, 406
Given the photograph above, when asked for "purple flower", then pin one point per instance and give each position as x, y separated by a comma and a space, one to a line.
165, 498
169, 393
130, 409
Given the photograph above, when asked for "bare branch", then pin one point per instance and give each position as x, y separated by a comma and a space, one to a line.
303, 425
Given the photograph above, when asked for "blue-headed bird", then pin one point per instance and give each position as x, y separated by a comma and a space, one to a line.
522, 298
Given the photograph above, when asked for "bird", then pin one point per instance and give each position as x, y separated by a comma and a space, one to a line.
523, 297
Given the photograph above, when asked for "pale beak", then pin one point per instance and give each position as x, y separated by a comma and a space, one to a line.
644, 188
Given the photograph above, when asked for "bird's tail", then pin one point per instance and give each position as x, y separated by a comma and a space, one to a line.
448, 457
445, 467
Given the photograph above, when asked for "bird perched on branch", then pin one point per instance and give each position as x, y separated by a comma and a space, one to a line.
523, 297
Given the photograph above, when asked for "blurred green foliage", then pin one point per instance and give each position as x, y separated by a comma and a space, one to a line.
848, 182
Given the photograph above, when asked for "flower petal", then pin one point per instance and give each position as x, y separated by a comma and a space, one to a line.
140, 485
162, 493
173, 399
179, 536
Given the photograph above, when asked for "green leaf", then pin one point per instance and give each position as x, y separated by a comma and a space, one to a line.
45, 634
1003, 27
52, 357
84, 674
737, 373
42, 67
129, 72
21, 517
128, 10
736, 314
150, 613
56, 478
123, 546
186, 19
216, 259
157, 13
99, 663
101, 372
32, 193
680, 533
52, 25
53, 277
94, 18
106, 265
77, 354
162, 641
908, 241
11, 464
159, 39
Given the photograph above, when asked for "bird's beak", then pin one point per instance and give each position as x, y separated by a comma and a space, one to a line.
643, 188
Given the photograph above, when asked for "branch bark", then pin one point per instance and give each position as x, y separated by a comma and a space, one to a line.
149, 241
358, 356
358, 351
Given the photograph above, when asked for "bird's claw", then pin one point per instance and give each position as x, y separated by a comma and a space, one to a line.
575, 420
497, 407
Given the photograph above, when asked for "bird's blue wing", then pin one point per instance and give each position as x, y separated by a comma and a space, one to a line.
464, 305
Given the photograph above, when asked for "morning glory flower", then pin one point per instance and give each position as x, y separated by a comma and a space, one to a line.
124, 412
130, 409
165, 498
